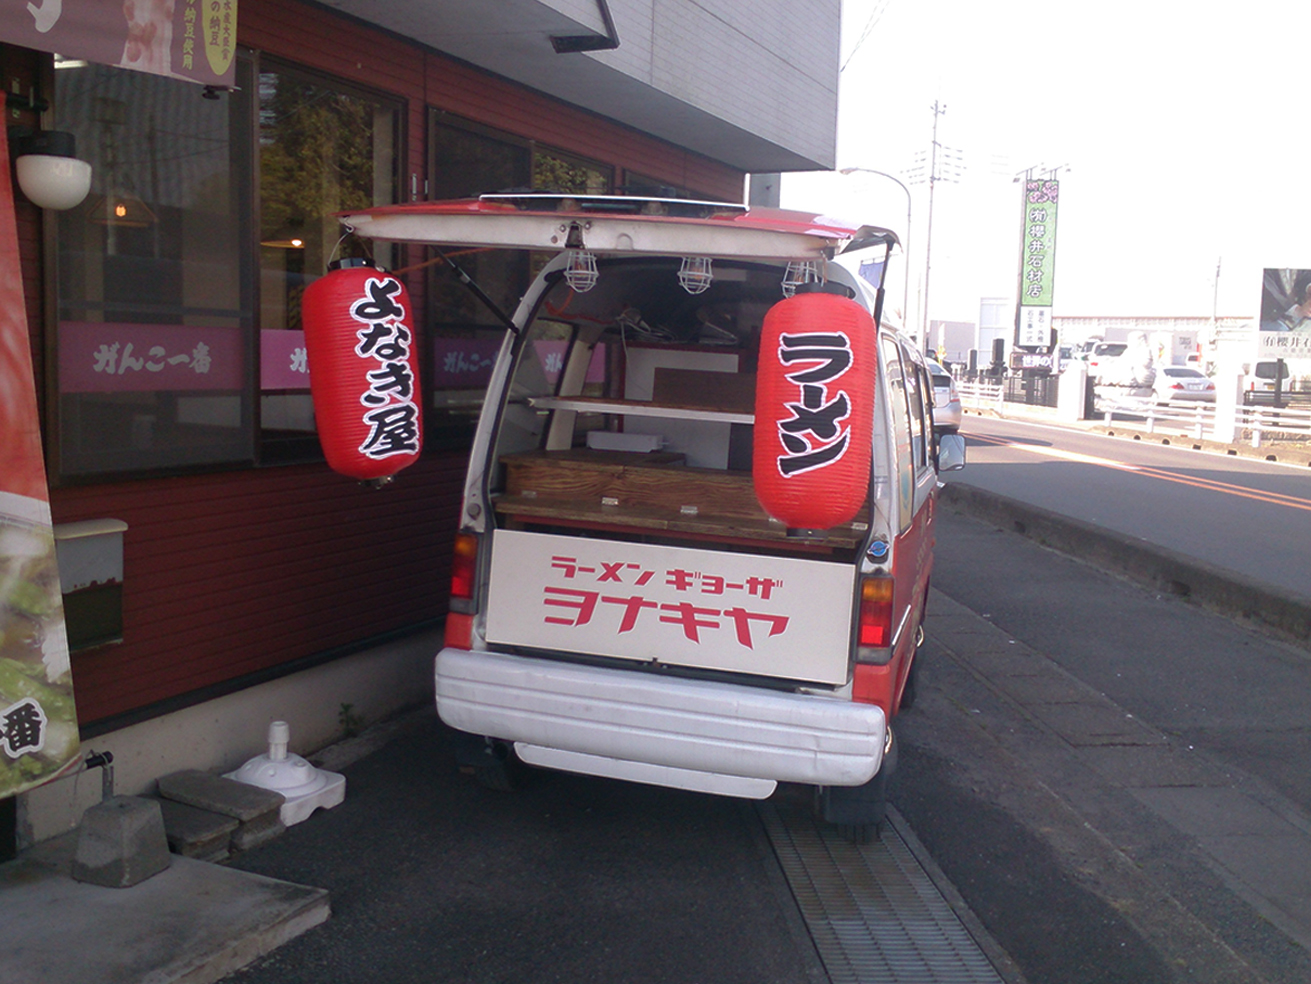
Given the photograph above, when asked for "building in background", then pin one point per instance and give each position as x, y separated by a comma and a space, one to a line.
164, 314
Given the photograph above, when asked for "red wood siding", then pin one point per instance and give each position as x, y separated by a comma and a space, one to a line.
226, 575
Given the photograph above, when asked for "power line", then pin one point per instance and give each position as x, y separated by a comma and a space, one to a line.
880, 7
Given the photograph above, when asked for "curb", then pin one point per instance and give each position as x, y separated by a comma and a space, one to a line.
1257, 605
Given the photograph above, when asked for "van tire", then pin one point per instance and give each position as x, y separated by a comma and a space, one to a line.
490, 761
911, 690
860, 811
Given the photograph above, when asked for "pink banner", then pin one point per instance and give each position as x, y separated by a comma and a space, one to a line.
195, 40
282, 362
110, 357
463, 363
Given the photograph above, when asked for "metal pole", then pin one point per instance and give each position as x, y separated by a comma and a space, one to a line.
938, 110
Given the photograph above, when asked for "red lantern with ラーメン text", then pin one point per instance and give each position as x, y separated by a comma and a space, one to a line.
363, 361
814, 409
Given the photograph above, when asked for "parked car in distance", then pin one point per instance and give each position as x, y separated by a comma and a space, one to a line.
1182, 383
946, 402
1101, 355
1263, 376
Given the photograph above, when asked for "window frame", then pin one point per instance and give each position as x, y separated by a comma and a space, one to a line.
52, 305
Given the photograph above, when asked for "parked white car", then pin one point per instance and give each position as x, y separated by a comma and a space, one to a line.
1182, 383
946, 401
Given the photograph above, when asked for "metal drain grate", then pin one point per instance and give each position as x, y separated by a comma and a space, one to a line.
873, 913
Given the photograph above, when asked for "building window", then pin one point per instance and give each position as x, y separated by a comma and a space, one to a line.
557, 171
154, 318
468, 160
323, 148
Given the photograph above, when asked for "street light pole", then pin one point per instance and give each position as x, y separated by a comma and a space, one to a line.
938, 110
905, 242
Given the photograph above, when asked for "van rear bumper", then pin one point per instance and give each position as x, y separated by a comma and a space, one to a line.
625, 716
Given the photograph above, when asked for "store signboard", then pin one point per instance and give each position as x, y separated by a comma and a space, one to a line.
38, 722
1037, 264
117, 357
283, 364
195, 40
1285, 314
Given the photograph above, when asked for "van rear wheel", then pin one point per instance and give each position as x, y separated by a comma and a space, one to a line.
859, 812
911, 690
490, 761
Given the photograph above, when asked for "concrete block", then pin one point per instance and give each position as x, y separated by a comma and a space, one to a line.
120, 843
196, 833
220, 795
257, 832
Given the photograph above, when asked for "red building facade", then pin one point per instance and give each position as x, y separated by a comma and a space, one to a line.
245, 558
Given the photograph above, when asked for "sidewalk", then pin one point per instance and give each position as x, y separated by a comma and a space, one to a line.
1147, 754
192, 923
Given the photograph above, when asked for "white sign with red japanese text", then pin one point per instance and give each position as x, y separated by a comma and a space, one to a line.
742, 613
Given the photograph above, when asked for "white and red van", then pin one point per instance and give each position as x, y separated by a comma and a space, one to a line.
642, 589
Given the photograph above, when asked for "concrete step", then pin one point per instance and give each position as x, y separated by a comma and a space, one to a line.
196, 833
254, 812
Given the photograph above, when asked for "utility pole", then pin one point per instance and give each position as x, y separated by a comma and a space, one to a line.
938, 110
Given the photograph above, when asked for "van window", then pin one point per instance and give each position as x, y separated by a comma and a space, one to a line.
901, 428
916, 389
638, 364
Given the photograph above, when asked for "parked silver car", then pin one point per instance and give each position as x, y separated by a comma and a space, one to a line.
1182, 383
946, 402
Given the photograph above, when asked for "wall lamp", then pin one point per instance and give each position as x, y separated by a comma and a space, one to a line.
46, 163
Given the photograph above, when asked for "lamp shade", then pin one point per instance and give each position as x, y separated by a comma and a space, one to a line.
48, 170
53, 182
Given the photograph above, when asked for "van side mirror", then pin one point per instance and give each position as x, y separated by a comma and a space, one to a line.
951, 453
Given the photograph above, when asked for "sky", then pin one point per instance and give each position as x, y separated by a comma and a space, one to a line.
1177, 131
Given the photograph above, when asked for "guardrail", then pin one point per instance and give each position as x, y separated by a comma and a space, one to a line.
980, 395
1262, 422
1192, 418
1197, 419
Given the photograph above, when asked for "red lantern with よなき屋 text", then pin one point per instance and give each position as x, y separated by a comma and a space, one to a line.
814, 409
363, 361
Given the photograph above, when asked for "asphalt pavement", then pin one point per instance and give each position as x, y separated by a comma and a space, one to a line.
1114, 779
1097, 813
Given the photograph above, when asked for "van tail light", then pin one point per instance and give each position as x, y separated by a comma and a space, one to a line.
464, 565
874, 629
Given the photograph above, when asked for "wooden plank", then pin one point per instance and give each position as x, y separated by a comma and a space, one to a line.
702, 389
636, 491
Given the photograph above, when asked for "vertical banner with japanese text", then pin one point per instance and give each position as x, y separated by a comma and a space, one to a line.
38, 722
1037, 264
195, 40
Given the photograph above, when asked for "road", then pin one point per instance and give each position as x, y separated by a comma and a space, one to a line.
1242, 514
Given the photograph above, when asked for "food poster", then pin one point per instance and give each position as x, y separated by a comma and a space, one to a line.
195, 40
38, 722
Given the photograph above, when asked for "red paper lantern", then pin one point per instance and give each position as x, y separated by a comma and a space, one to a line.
364, 374
814, 410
